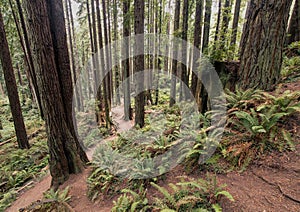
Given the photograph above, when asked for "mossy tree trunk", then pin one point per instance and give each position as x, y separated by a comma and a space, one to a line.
262, 43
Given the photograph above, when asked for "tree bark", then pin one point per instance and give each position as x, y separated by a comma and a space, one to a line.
218, 22
262, 44
184, 75
197, 43
48, 39
139, 14
174, 61
102, 68
107, 54
31, 67
235, 22
206, 31
116, 53
12, 89
73, 55
126, 62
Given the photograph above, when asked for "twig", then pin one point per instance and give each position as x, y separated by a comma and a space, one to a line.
23, 187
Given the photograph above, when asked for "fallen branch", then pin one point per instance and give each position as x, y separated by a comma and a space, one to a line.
31, 136
25, 186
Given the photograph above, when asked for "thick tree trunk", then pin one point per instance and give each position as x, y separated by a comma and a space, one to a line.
175, 47
48, 38
207, 17
139, 14
262, 44
126, 62
294, 26
12, 89
197, 43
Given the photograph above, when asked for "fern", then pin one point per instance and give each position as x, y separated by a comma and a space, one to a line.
166, 194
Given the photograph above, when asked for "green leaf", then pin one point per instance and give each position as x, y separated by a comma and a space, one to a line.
288, 138
217, 208
226, 194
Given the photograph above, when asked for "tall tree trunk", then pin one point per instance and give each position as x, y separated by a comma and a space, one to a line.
235, 23
95, 45
89, 74
31, 67
197, 43
175, 47
159, 61
294, 26
139, 14
12, 90
111, 81
225, 23
126, 62
74, 57
71, 52
102, 68
168, 20
218, 26
116, 53
107, 54
262, 44
184, 75
47, 33
206, 31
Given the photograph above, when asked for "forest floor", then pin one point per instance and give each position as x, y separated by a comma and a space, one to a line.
269, 184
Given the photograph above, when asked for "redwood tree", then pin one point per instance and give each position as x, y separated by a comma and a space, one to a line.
47, 35
12, 90
126, 62
175, 47
207, 17
139, 8
262, 43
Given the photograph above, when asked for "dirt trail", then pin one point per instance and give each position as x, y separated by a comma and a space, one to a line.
77, 183
271, 185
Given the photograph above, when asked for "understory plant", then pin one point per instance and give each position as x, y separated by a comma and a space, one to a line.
260, 126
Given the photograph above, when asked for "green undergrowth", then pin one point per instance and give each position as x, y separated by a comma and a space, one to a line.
186, 195
19, 167
291, 63
55, 201
258, 122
